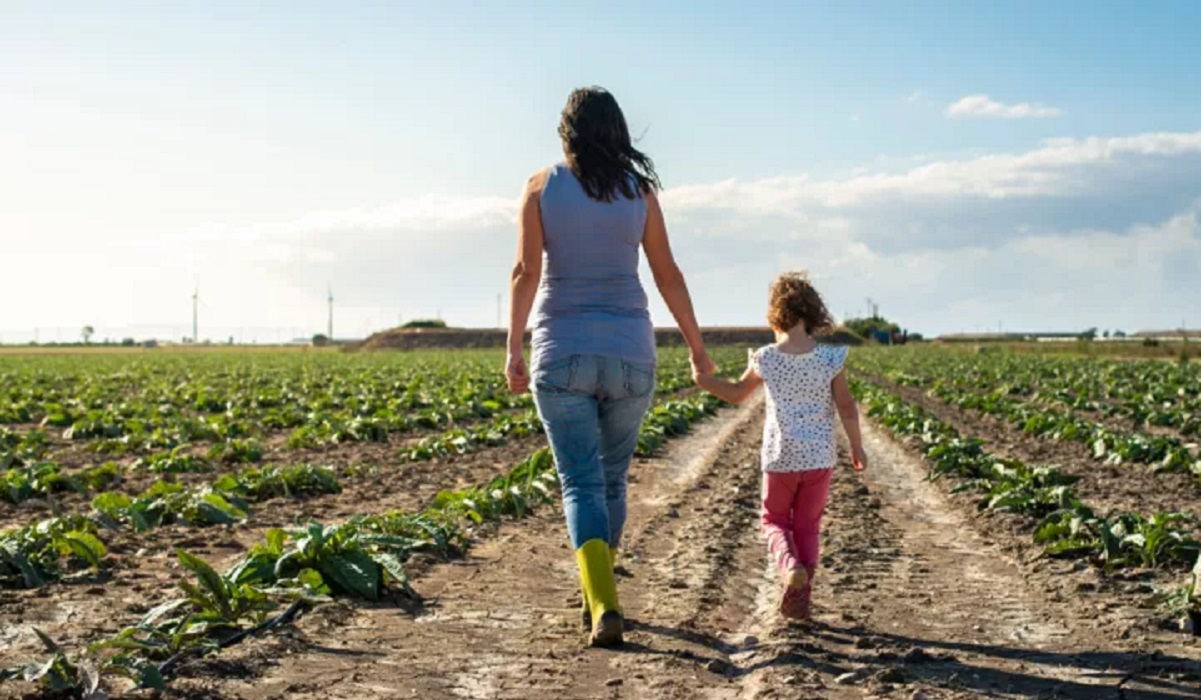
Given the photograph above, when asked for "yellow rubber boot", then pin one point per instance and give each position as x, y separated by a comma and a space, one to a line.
585, 613
600, 592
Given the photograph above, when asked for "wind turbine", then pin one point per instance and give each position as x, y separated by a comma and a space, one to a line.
195, 314
329, 330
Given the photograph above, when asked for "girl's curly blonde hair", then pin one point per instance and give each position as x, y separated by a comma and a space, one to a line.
794, 300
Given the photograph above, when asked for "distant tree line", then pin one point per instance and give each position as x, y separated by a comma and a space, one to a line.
873, 326
425, 323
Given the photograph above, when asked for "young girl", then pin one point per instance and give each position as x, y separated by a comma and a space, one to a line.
805, 384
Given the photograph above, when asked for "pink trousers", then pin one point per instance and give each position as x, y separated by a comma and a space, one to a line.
793, 504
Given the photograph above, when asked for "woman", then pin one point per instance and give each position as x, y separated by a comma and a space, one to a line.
593, 364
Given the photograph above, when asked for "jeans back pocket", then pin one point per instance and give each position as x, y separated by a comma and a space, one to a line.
557, 375
639, 378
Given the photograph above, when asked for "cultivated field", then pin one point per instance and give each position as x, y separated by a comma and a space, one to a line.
383, 525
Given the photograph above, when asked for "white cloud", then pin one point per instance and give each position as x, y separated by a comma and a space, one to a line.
1055, 281
984, 106
1073, 233
1128, 168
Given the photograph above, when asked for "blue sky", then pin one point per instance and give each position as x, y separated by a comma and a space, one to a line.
268, 151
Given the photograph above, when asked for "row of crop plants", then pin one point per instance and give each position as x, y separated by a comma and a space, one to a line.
361, 558
226, 499
1143, 393
945, 377
27, 471
1062, 524
146, 406
220, 413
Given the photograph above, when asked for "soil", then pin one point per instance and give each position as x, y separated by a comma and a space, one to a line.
917, 597
143, 571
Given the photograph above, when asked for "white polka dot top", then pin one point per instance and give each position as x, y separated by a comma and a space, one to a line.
799, 432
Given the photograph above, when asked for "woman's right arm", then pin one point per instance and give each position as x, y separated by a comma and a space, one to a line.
671, 284
523, 284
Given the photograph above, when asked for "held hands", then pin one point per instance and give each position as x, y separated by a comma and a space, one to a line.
516, 374
702, 366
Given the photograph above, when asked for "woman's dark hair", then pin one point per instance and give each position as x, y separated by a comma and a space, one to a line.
596, 142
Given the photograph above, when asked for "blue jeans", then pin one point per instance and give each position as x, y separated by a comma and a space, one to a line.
592, 408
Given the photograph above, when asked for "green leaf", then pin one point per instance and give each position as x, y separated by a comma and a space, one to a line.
276, 539
288, 564
394, 568
142, 517
210, 513
208, 577
150, 678
84, 545
47, 642
158, 612
258, 567
125, 641
354, 572
31, 576
111, 503
311, 578
224, 504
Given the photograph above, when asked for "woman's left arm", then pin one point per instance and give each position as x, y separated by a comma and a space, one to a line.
523, 283
671, 284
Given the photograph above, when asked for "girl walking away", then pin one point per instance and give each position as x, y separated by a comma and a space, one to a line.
805, 385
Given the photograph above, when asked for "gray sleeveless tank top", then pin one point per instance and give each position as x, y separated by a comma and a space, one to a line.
590, 301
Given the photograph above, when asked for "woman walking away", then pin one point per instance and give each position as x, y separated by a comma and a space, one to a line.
593, 363
805, 384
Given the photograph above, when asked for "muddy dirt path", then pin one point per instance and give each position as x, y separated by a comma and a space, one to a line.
918, 601
914, 600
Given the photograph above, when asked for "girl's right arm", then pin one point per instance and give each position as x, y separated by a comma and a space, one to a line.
731, 392
849, 413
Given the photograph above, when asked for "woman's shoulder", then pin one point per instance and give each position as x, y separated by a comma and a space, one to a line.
537, 182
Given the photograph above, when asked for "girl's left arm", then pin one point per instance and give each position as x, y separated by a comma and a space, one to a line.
849, 413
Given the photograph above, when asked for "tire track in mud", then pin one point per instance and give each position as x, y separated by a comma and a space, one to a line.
504, 623
914, 601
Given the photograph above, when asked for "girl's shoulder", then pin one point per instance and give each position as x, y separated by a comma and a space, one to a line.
835, 355
765, 352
